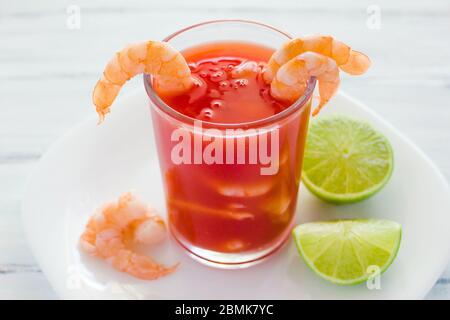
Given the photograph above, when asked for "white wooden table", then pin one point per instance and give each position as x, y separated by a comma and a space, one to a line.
49, 63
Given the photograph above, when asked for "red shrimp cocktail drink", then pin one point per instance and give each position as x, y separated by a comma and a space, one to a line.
230, 108
230, 154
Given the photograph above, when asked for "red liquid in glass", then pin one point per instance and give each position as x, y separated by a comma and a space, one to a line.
230, 208
221, 97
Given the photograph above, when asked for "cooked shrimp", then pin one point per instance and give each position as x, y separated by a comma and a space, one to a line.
348, 60
111, 232
156, 58
291, 79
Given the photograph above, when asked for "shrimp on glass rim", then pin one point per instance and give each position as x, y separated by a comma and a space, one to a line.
347, 59
290, 67
114, 229
159, 59
290, 81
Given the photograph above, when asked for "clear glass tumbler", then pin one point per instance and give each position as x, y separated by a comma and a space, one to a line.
231, 214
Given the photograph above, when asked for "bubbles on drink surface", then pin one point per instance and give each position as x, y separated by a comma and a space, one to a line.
206, 114
218, 76
217, 104
225, 86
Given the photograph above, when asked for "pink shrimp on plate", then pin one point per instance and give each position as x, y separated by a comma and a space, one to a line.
159, 59
112, 231
290, 67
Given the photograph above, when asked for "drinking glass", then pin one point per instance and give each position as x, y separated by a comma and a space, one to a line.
236, 213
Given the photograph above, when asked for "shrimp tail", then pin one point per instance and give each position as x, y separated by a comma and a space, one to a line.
103, 96
357, 63
326, 92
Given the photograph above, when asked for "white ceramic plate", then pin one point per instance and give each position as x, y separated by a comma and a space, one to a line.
93, 164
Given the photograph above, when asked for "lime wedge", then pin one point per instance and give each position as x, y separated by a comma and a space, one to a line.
348, 251
346, 160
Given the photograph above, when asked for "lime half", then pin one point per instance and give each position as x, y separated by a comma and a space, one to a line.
348, 251
346, 160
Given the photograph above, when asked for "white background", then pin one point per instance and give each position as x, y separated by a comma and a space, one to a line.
48, 67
